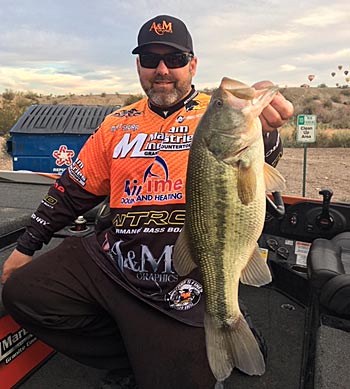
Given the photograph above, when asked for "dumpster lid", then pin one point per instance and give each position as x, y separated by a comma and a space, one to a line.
61, 119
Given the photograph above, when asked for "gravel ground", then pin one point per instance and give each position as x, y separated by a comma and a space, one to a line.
325, 168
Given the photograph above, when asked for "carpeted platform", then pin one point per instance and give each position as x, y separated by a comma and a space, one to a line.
333, 346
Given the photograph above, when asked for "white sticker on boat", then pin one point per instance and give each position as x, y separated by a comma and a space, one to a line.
301, 252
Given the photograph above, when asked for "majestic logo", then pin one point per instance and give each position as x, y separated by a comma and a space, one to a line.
148, 145
185, 295
63, 156
162, 28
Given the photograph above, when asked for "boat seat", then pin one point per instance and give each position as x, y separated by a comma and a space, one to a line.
328, 266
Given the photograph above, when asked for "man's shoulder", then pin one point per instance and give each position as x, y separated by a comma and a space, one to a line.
203, 97
131, 110
198, 103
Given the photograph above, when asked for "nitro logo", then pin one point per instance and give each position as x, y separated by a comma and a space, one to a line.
150, 218
162, 28
14, 344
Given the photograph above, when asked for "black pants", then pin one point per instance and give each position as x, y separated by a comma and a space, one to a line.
67, 301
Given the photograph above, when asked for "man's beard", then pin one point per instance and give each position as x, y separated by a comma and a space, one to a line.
166, 98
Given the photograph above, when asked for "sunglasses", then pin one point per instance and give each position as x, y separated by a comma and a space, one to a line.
171, 60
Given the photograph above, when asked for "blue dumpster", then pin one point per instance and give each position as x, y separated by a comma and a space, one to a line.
48, 138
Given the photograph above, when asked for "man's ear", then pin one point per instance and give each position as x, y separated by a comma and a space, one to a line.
138, 65
193, 66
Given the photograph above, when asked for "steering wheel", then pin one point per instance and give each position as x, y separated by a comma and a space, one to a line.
276, 206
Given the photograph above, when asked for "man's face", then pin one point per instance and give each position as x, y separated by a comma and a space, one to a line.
163, 86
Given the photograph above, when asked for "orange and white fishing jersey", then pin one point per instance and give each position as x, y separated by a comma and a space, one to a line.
139, 158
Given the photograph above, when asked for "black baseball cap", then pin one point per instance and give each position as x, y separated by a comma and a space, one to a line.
166, 30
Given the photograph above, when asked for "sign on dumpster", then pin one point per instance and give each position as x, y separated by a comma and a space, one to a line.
306, 128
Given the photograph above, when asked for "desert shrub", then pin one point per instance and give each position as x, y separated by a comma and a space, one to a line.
322, 139
13, 106
341, 117
132, 99
309, 99
336, 99
345, 92
8, 118
340, 140
32, 96
328, 103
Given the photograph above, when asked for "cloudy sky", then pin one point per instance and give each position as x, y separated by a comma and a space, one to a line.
84, 46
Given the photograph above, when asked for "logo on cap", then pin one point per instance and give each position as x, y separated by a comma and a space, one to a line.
162, 28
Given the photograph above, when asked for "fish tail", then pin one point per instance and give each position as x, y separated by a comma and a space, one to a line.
233, 345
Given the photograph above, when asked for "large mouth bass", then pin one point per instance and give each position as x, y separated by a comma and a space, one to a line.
227, 180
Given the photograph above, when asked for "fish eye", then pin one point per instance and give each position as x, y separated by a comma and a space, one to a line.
219, 103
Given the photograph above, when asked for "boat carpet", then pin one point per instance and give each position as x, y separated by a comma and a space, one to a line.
332, 358
280, 320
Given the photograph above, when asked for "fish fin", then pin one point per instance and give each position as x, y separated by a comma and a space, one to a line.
230, 346
182, 259
238, 88
246, 185
256, 272
274, 181
263, 98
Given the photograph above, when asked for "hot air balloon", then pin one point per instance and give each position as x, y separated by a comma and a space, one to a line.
347, 79
333, 74
346, 72
311, 77
340, 67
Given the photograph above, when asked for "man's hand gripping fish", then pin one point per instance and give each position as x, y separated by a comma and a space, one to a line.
225, 211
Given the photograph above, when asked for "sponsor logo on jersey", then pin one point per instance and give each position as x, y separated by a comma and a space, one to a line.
185, 295
156, 185
128, 113
63, 156
148, 145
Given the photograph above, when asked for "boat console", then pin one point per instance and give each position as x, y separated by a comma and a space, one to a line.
309, 254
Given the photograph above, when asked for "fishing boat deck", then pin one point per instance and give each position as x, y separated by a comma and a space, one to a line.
297, 356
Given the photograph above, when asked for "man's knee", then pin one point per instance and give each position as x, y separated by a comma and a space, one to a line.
15, 296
